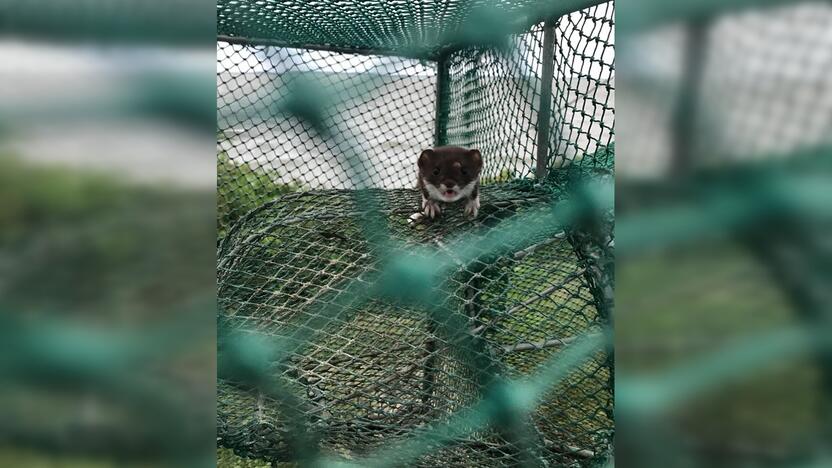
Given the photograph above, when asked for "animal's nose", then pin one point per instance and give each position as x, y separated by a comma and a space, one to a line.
449, 184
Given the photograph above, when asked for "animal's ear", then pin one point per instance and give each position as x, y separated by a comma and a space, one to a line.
425, 157
476, 157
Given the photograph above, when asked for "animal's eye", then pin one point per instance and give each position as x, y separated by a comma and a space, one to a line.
464, 171
436, 171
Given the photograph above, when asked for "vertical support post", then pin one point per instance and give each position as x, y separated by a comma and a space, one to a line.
686, 109
443, 96
545, 107
440, 138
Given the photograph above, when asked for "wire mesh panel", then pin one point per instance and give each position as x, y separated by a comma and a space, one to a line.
384, 105
339, 114
496, 98
397, 27
583, 113
725, 107
382, 371
387, 106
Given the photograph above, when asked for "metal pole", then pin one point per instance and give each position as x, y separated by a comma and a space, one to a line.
443, 92
545, 108
440, 137
683, 123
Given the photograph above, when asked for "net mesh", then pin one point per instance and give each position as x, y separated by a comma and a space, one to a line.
399, 27
723, 105
294, 240
495, 99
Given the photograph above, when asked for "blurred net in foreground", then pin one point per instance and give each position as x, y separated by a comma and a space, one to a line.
349, 333
723, 255
107, 286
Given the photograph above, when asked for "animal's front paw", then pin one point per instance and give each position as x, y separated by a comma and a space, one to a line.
430, 208
472, 207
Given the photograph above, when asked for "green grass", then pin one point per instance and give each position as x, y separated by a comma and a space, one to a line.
504, 175
699, 299
241, 188
18, 457
87, 243
574, 409
37, 197
86, 254
227, 459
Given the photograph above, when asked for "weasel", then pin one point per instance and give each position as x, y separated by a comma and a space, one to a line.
448, 174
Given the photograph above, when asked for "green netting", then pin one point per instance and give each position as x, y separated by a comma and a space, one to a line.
400, 27
381, 371
370, 366
495, 100
387, 107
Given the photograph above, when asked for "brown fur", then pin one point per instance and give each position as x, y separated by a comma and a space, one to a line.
451, 167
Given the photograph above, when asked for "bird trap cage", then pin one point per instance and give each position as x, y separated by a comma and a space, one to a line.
323, 110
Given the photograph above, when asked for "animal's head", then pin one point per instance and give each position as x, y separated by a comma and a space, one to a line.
450, 170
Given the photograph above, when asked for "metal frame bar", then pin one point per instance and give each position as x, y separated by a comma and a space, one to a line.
545, 106
686, 112
440, 137
443, 91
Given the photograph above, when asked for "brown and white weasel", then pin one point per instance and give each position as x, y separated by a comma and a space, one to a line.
448, 174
